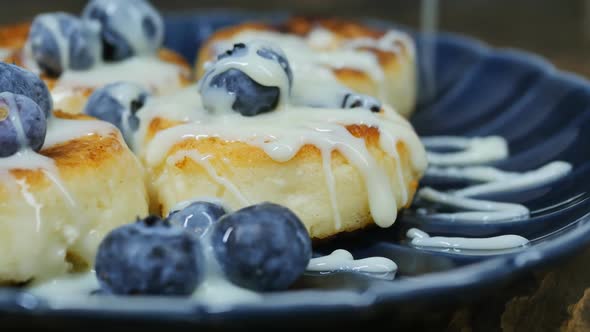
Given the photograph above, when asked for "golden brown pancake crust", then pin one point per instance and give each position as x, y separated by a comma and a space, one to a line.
75, 155
14, 36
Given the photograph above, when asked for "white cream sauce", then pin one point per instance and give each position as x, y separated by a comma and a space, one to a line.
423, 240
61, 291
182, 106
476, 150
320, 38
489, 180
481, 211
5, 53
500, 181
60, 131
342, 260
31, 201
155, 75
203, 161
216, 290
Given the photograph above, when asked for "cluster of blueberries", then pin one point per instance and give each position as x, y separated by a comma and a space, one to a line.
101, 34
113, 30
263, 247
249, 98
109, 30
25, 105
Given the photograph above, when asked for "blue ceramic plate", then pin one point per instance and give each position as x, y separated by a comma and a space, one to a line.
543, 113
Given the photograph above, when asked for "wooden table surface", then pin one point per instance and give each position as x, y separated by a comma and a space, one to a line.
552, 300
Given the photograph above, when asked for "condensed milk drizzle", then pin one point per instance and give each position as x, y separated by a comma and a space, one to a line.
469, 163
203, 161
423, 240
149, 71
341, 260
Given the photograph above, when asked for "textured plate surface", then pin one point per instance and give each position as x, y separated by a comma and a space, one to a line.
543, 113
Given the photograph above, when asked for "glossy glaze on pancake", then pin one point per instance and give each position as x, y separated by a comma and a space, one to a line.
339, 170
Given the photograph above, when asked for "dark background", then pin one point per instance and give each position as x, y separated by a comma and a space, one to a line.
556, 29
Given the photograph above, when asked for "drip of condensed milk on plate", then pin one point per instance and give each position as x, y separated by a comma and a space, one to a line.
423, 240
342, 260
459, 165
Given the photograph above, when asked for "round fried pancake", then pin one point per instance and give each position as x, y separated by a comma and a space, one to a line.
226, 159
299, 183
52, 221
392, 51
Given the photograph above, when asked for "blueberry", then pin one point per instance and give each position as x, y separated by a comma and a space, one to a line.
22, 124
118, 103
149, 257
230, 82
198, 217
20, 81
237, 50
130, 27
249, 97
355, 100
278, 56
61, 41
263, 247
85, 46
